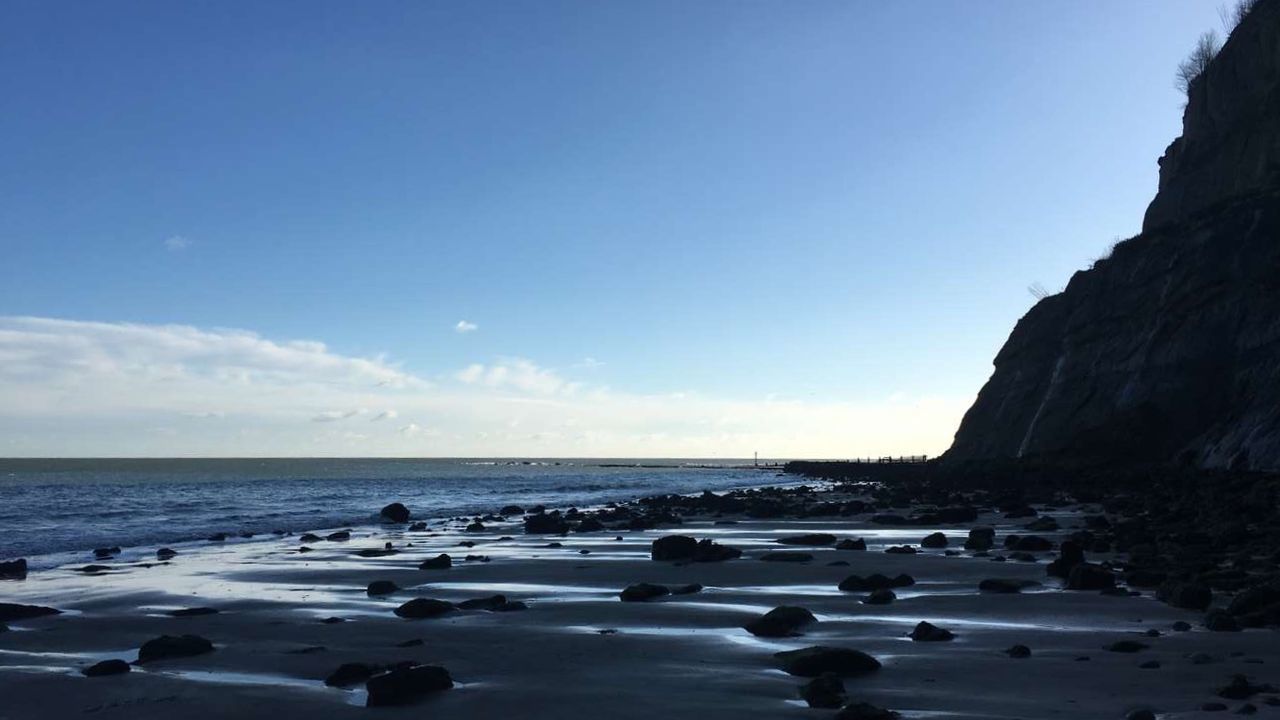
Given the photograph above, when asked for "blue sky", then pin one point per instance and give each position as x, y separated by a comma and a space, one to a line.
823, 210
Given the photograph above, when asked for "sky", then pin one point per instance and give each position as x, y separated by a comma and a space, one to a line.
556, 229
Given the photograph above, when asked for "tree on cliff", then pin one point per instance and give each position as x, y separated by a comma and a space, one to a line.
1205, 51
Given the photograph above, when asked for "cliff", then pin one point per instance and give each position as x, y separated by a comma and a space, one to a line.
1169, 349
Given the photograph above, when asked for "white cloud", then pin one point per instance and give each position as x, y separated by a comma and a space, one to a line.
175, 243
465, 327
588, 363
71, 387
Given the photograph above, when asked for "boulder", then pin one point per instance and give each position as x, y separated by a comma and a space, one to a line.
165, 553
1240, 688
439, 562
1186, 595
418, 527
1005, 585
818, 659
673, 547
381, 587
14, 611
881, 596
589, 525
980, 538
848, 544
1031, 543
812, 539
14, 569
824, 691
1221, 621
1126, 646
340, 536
351, 673
865, 711
1087, 576
689, 589
106, 667
406, 684
395, 513
545, 524
511, 510
782, 621
858, 583
1070, 554
167, 647
934, 540
475, 527
928, 632
420, 608
643, 591
1018, 652
786, 556
193, 612
493, 602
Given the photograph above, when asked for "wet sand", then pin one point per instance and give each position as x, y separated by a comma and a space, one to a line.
579, 651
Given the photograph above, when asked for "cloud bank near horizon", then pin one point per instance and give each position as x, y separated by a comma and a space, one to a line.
81, 388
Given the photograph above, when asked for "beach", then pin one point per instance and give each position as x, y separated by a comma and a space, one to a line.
285, 620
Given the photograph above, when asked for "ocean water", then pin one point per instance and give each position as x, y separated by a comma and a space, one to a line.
56, 511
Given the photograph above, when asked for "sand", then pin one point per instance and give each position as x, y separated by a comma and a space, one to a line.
676, 657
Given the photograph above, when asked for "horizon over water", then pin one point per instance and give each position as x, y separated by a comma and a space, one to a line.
56, 510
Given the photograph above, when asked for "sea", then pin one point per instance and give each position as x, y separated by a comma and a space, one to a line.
55, 511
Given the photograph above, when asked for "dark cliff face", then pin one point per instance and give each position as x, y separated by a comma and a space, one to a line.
1169, 350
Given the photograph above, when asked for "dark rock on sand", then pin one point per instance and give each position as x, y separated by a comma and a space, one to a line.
381, 587
93, 569
901, 550
858, 583
1070, 554
643, 591
419, 608
376, 552
104, 553
683, 547
418, 527
782, 621
1087, 576
824, 691
980, 538
1030, 543
1018, 651
689, 589
934, 540
545, 524
406, 684
351, 673
13, 611
340, 536
1005, 585
881, 596
439, 562
511, 510
785, 556
106, 667
14, 569
812, 539
310, 538
167, 647
848, 544
818, 659
493, 602
332, 620
1140, 715
395, 512
475, 527
165, 553
865, 711
928, 632
1126, 646
415, 642
218, 537
1221, 621
193, 612
1240, 688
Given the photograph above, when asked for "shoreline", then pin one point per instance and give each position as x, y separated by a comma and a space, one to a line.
577, 648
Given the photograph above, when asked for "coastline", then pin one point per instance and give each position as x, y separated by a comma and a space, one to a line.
578, 649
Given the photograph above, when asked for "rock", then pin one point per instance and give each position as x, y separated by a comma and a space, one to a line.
1253, 600
381, 587
857, 583
1018, 651
1044, 523
1240, 688
824, 691
980, 538
589, 525
419, 608
1140, 715
901, 550
414, 642
812, 539
683, 547
406, 684
439, 562
1126, 646
475, 527
1186, 595
93, 569
352, 673
847, 544
165, 553
493, 602
1181, 626
782, 621
395, 512
340, 536
14, 569
1032, 543
881, 596
643, 591
865, 711
310, 538
168, 647
689, 589
785, 556
1070, 554
1149, 665
934, 540
332, 620
10, 612
105, 553
418, 527
1005, 585
545, 524
1087, 576
511, 510
928, 632
193, 612
106, 667
218, 537
818, 659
